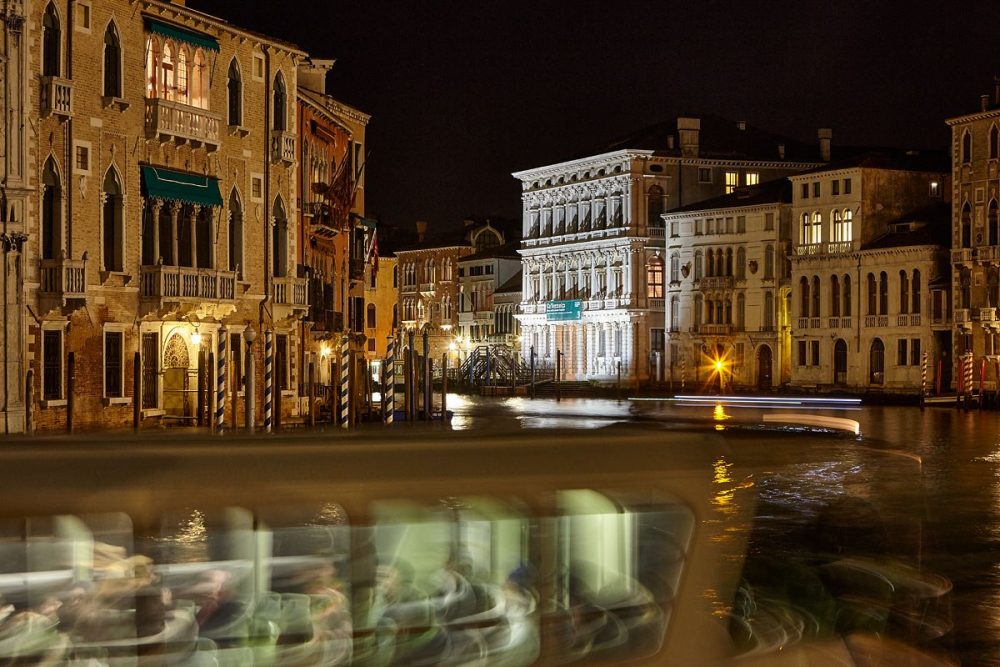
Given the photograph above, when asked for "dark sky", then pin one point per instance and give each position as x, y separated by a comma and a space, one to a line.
463, 93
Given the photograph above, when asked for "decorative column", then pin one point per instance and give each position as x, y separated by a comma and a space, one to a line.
581, 351
193, 223
154, 206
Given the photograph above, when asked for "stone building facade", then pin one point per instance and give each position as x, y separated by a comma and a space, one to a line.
18, 193
593, 249
869, 273
164, 215
975, 240
479, 276
727, 290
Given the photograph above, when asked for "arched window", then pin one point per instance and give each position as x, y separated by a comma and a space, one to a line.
235, 235
675, 267
836, 221
729, 262
847, 226
846, 312
883, 294
876, 362
112, 62
729, 312
167, 83
654, 278
280, 106
992, 287
51, 211
741, 312
720, 268
51, 40
152, 67
654, 206
834, 296
741, 263
994, 142
815, 296
915, 290
966, 222
697, 311
279, 240
112, 223
445, 308
816, 234
675, 314
904, 293
966, 147
199, 81
166, 235
804, 297
769, 263
768, 311
872, 295
993, 223
719, 312
371, 316
697, 265
183, 92
235, 89
804, 230
203, 237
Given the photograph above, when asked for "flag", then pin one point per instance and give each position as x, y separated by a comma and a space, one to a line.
371, 251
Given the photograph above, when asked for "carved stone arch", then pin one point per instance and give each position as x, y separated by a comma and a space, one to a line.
175, 352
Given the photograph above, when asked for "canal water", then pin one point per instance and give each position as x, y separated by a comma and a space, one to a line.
919, 490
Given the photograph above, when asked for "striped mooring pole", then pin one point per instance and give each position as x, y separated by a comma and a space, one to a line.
345, 376
389, 382
923, 373
268, 378
684, 366
220, 387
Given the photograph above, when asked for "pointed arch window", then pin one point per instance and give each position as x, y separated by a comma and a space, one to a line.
993, 223
168, 85
279, 103
112, 62
235, 91
112, 223
966, 147
815, 296
51, 42
994, 142
915, 292
847, 296
904, 293
279, 240
51, 211
235, 235
199, 81
834, 296
152, 67
697, 265
804, 297
883, 294
182, 91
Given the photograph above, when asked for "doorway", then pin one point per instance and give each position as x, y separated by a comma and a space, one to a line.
840, 362
764, 367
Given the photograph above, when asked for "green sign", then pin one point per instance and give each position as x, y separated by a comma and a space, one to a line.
562, 311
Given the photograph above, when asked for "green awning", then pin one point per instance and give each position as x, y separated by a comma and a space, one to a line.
182, 34
160, 183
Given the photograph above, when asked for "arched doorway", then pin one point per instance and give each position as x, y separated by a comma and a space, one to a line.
840, 362
876, 362
764, 367
177, 398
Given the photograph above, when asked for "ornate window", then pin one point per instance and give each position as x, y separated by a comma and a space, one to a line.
654, 278
834, 296
51, 211
804, 297
280, 104
235, 235
235, 90
112, 62
904, 293
279, 240
846, 312
883, 294
966, 147
51, 41
915, 292
112, 223
815, 296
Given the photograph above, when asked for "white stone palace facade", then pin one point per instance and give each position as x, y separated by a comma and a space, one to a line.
594, 247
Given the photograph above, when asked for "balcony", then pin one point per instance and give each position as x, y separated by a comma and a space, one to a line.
988, 316
840, 247
915, 320
809, 249
57, 96
408, 288
802, 323
292, 292
282, 146
963, 317
715, 329
63, 278
657, 232
427, 288
961, 256
186, 284
716, 282
876, 321
182, 122
989, 253
656, 304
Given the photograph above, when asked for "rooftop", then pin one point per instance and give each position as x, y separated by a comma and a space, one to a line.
513, 284
930, 225
892, 159
777, 191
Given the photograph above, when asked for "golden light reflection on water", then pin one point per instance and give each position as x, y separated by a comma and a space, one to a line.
719, 415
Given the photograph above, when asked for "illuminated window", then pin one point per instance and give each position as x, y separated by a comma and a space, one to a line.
752, 178
654, 279
935, 189
732, 180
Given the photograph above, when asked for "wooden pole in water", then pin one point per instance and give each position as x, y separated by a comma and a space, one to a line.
444, 387
136, 390
70, 389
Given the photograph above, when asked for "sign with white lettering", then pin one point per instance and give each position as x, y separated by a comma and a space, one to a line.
563, 311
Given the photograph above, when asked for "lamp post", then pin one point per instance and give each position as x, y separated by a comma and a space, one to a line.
249, 393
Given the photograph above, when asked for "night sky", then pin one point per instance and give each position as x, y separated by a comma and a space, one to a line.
463, 93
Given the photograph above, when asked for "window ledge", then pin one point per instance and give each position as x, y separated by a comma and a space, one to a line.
118, 400
54, 403
239, 130
126, 277
153, 412
117, 102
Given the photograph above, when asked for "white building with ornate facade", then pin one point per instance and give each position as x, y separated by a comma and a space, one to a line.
593, 254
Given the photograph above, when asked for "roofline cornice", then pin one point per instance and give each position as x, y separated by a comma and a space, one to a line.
701, 212
581, 163
968, 118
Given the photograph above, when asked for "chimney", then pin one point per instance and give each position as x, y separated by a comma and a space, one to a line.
468, 222
670, 142
421, 230
689, 129
781, 151
312, 74
984, 102
825, 135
